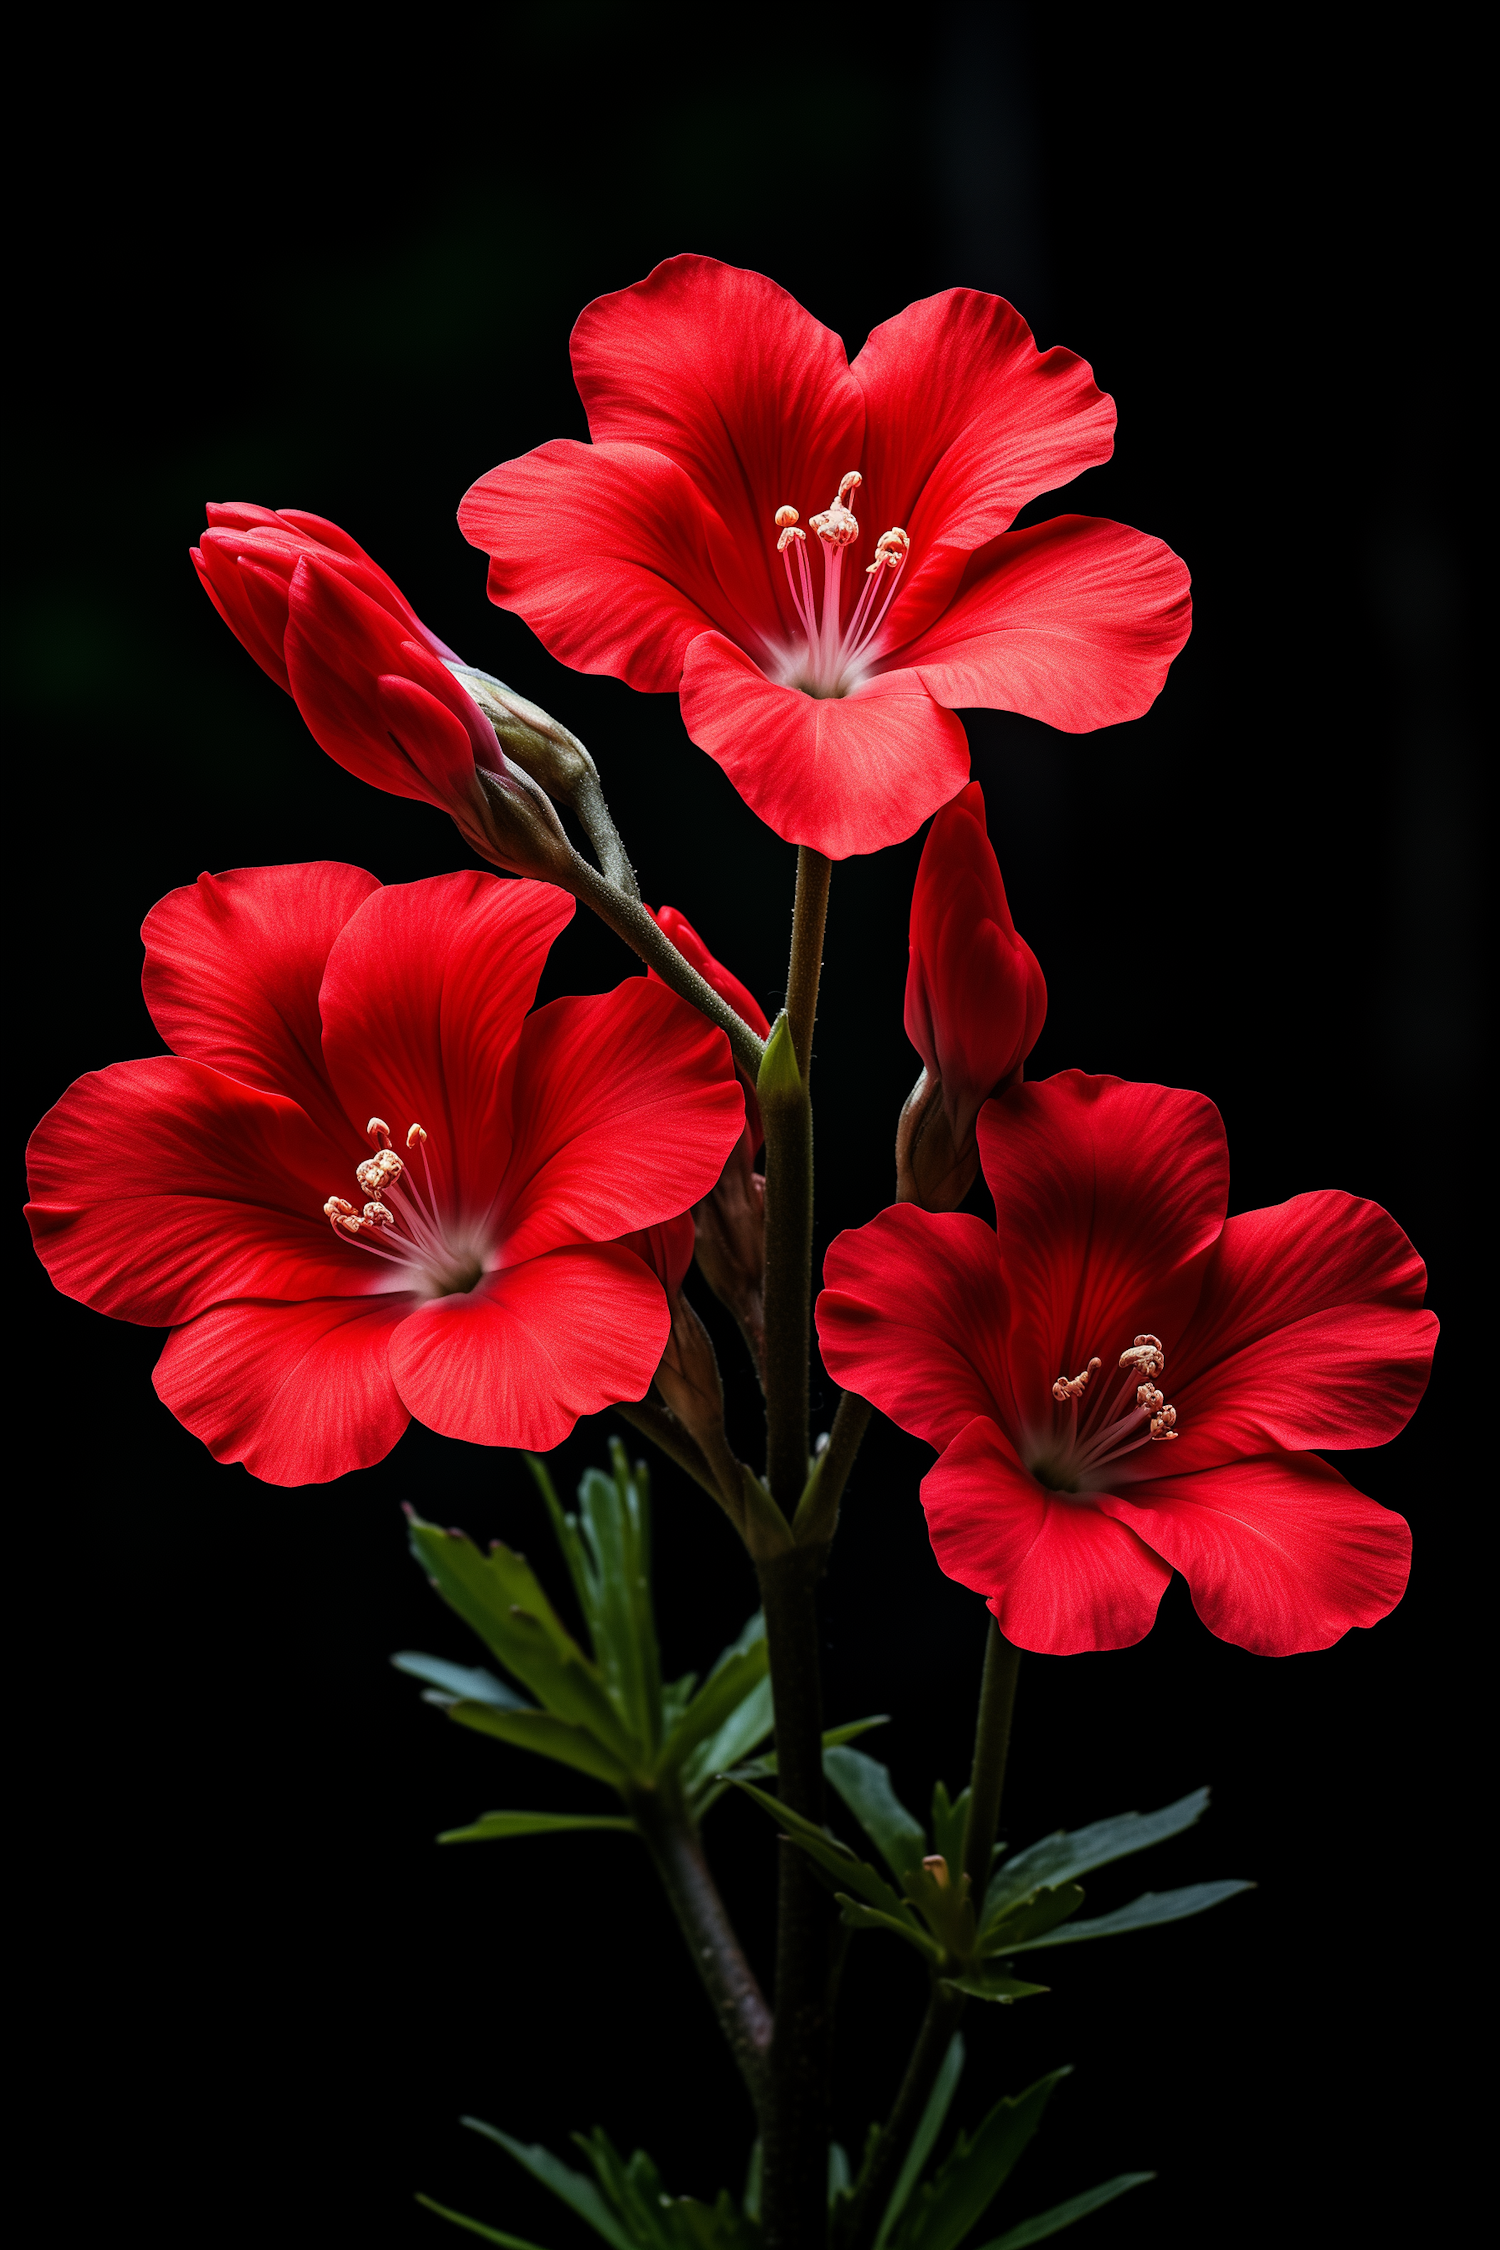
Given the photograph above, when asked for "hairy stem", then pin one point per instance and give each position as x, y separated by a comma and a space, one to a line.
795, 2125
997, 1701
630, 921
736, 1999
595, 820
806, 967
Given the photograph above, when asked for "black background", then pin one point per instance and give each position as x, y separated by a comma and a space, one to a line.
337, 270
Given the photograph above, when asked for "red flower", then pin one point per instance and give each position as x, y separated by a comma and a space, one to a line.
372, 682
480, 1287
669, 553
976, 1001
1032, 1357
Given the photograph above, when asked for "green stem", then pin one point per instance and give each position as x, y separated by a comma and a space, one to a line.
997, 1702
806, 966
728, 1978
630, 921
787, 1116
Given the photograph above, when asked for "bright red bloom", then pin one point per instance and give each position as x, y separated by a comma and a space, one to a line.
976, 999
481, 1288
373, 684
668, 551
1032, 1357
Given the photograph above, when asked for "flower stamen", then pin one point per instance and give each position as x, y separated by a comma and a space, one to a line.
1072, 1462
409, 1230
835, 650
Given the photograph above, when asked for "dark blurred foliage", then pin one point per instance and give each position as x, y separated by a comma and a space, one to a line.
333, 263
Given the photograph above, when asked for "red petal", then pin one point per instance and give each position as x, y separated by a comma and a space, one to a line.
422, 1003
967, 421
729, 377
299, 1393
843, 774
517, 1361
1280, 1554
913, 1316
1108, 1199
377, 701
233, 966
975, 996
254, 613
1310, 1332
627, 1113
1074, 621
1059, 1577
160, 1188
667, 1249
606, 553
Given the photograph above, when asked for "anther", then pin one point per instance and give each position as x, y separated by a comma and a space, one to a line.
786, 516
414, 1133
791, 532
379, 1172
1145, 1356
1073, 1386
340, 1215
376, 1215
849, 482
892, 546
1161, 1424
1148, 1398
378, 1133
837, 526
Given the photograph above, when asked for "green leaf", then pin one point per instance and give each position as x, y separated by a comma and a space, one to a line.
1142, 1913
570, 2187
475, 2226
833, 1737
1063, 2214
865, 1787
548, 1737
945, 2085
468, 1682
860, 1917
1020, 1925
970, 2176
703, 1770
1057, 1858
499, 1595
715, 1704
838, 2171
948, 1824
615, 1513
834, 1858
493, 1827
986, 1985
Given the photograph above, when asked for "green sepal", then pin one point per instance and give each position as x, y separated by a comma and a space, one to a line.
858, 1916
1063, 2214
495, 1827
967, 2181
1021, 1925
475, 2226
1004, 1989
469, 1683
549, 1737
1060, 1857
939, 2101
1143, 1913
779, 1079
570, 2187
865, 1786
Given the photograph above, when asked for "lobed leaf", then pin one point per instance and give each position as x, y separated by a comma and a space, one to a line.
858, 1916
939, 2101
970, 2176
1016, 1926
1063, 2214
493, 1827
570, 2187
549, 1737
1057, 1858
865, 1786
1142, 1913
469, 1683
833, 1736
715, 1704
987, 1985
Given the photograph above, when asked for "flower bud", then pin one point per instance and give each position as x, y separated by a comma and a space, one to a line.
688, 1379
930, 1171
731, 1242
539, 744
975, 996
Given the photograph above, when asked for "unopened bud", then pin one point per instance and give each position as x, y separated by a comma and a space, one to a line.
930, 1171
688, 1379
730, 1224
539, 744
521, 831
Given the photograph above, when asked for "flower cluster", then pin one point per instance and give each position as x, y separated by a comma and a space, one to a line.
370, 1180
